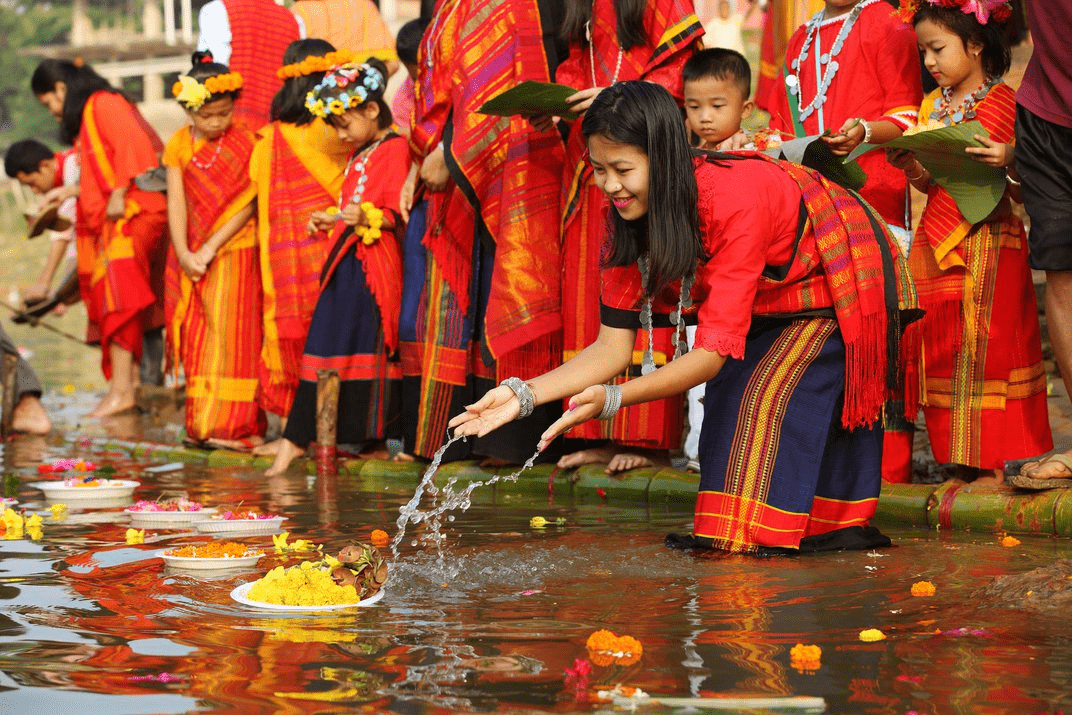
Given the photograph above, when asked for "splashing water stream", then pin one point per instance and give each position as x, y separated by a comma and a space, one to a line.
443, 501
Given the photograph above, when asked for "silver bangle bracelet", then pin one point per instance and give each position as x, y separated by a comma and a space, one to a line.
867, 131
612, 401
524, 395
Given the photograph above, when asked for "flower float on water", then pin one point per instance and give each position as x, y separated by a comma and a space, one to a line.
214, 550
358, 573
805, 658
171, 505
1010, 541
250, 513
923, 588
59, 511
135, 536
13, 524
282, 547
606, 648
66, 465
872, 635
379, 538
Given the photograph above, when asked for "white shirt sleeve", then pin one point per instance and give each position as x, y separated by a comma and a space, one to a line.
215, 31
302, 34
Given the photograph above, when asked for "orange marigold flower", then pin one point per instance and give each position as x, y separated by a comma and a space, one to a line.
805, 657
629, 644
379, 538
1010, 541
923, 588
602, 640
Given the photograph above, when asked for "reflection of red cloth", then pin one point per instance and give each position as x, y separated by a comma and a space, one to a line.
115, 257
878, 77
260, 33
673, 32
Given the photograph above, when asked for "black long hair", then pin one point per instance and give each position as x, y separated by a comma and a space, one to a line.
996, 55
81, 81
630, 22
644, 115
288, 104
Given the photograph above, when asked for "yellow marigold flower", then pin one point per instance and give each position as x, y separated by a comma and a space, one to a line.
1010, 541
59, 511
871, 635
538, 522
336, 106
135, 536
34, 533
33, 521
923, 588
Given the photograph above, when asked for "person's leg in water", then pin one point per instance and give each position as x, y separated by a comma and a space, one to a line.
120, 396
151, 368
29, 416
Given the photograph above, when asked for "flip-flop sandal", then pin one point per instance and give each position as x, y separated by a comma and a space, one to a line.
1022, 481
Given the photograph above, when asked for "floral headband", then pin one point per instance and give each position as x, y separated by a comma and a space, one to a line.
984, 10
313, 64
344, 87
193, 94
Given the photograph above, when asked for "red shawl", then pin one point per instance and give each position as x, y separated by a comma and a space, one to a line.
260, 33
507, 174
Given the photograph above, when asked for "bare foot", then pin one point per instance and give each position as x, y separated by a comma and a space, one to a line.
268, 449
114, 403
246, 444
1056, 466
595, 455
287, 453
375, 450
30, 416
624, 461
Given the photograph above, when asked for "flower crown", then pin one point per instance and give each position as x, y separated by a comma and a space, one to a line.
984, 10
344, 87
193, 94
313, 64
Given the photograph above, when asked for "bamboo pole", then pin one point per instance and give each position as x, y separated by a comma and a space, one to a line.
327, 421
8, 370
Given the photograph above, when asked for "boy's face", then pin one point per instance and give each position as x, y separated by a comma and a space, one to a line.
714, 108
42, 180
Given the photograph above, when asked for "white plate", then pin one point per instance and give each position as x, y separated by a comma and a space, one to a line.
239, 594
193, 563
239, 526
113, 488
168, 519
9, 502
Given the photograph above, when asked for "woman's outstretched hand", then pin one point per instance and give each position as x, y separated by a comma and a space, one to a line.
489, 413
582, 407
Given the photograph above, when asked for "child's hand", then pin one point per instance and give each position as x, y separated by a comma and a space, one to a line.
205, 255
353, 215
991, 153
733, 143
117, 205
542, 122
192, 266
409, 190
902, 159
321, 221
434, 171
581, 101
35, 293
59, 194
850, 136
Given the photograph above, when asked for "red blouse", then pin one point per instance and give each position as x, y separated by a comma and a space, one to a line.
744, 233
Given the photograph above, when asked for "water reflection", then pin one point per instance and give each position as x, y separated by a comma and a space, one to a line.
84, 615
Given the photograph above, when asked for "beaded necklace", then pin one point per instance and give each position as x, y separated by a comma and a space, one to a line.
592, 56
677, 317
215, 155
433, 38
823, 78
966, 111
362, 159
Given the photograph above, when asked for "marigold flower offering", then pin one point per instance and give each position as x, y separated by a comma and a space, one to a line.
379, 538
1010, 541
303, 585
923, 588
135, 536
872, 635
805, 657
213, 550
